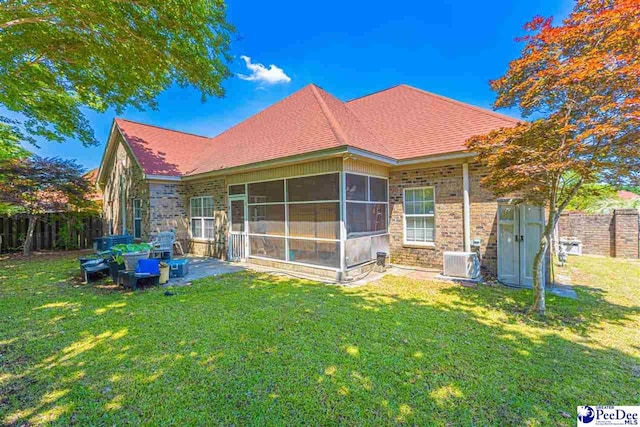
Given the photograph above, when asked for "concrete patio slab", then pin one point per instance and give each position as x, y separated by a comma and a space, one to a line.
562, 287
200, 268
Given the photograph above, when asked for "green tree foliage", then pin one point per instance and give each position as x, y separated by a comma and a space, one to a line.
59, 57
608, 205
38, 185
590, 194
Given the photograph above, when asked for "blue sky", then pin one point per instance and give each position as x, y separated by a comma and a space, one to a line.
348, 48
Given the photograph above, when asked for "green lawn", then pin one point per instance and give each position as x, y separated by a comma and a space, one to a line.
253, 349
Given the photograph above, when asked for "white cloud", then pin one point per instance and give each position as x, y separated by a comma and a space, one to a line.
259, 73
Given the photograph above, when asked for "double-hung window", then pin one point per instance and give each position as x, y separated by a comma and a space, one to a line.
367, 205
202, 217
137, 218
419, 215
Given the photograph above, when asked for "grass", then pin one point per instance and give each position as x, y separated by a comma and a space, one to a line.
253, 349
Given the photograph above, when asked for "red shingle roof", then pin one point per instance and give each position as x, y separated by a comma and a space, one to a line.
627, 195
308, 120
92, 177
415, 123
163, 151
401, 122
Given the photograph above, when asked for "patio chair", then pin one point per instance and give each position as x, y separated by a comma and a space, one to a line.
163, 245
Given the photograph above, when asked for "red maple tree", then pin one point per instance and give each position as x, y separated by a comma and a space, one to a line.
580, 84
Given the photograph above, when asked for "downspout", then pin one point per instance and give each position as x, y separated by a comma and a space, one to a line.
466, 207
123, 205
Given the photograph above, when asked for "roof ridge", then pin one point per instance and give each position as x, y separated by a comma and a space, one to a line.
161, 127
372, 93
463, 104
333, 122
355, 117
260, 112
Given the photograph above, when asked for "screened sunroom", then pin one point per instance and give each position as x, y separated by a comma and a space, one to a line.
334, 221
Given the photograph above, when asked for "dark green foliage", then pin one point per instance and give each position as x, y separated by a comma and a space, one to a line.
40, 184
37, 185
58, 57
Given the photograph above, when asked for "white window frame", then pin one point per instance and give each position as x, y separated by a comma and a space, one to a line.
137, 218
201, 217
405, 215
369, 202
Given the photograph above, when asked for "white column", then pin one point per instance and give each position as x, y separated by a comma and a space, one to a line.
287, 256
343, 227
466, 207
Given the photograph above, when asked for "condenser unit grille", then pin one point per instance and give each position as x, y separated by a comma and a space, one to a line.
464, 265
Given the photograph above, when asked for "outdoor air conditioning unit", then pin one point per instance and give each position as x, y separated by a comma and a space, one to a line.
463, 265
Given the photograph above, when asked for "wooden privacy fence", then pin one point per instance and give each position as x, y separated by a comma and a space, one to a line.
53, 231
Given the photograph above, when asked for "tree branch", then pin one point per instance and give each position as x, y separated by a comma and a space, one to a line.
570, 196
29, 20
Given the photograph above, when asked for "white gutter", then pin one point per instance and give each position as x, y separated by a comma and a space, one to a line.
393, 162
104, 154
466, 207
337, 151
372, 156
270, 163
437, 158
161, 177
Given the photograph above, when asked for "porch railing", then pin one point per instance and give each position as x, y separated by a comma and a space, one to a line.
237, 247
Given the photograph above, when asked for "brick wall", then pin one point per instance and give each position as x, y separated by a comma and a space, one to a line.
134, 187
614, 235
449, 228
218, 190
167, 209
484, 219
595, 231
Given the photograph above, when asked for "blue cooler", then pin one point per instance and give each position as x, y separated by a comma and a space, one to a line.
178, 267
148, 266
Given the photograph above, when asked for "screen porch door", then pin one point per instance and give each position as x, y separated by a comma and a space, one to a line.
238, 228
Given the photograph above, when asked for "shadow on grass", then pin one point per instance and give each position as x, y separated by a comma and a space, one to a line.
589, 310
254, 349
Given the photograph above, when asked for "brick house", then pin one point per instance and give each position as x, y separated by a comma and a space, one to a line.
321, 185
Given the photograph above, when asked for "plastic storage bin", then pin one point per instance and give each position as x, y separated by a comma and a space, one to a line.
178, 267
107, 242
150, 266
